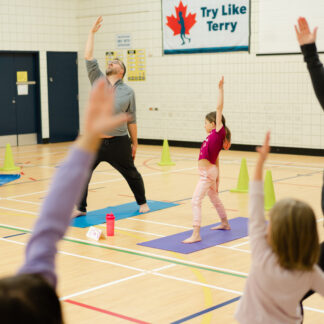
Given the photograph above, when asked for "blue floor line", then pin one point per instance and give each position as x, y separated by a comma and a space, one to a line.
206, 310
13, 235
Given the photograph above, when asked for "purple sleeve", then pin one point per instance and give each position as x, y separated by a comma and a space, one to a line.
55, 215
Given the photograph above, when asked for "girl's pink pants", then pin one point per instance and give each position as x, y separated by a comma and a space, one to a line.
206, 185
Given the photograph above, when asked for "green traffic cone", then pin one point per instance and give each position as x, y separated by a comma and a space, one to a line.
9, 163
243, 179
269, 194
165, 158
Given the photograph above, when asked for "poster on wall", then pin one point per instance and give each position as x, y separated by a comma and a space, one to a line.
205, 26
111, 55
136, 65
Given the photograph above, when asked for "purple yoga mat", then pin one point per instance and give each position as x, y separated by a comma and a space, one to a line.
239, 229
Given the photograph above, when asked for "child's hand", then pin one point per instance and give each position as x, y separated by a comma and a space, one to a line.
265, 149
304, 36
100, 116
221, 83
263, 153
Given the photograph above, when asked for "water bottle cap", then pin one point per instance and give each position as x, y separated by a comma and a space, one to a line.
110, 216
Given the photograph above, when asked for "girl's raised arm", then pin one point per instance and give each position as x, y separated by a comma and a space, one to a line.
220, 105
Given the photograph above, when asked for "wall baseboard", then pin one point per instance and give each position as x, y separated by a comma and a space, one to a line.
239, 147
45, 141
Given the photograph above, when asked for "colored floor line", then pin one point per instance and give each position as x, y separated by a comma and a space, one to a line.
140, 254
14, 235
298, 176
293, 177
300, 185
233, 300
134, 320
157, 258
235, 292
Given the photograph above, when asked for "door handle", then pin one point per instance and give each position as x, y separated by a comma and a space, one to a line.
50, 79
13, 101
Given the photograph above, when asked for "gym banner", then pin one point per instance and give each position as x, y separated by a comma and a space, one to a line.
205, 26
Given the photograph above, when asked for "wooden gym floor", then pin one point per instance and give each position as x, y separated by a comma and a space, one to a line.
117, 281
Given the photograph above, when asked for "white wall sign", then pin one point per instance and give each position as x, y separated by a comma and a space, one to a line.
22, 89
123, 41
204, 26
276, 24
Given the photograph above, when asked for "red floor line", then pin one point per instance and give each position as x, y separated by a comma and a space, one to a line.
145, 164
134, 320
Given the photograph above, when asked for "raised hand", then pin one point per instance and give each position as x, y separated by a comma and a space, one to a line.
99, 114
265, 148
304, 35
96, 25
221, 83
263, 153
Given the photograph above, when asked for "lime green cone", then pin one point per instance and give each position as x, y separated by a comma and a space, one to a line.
269, 194
165, 158
243, 179
8, 162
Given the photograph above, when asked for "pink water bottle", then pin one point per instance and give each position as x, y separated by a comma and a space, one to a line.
110, 221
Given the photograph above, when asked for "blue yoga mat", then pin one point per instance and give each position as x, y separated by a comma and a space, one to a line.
96, 217
5, 178
209, 237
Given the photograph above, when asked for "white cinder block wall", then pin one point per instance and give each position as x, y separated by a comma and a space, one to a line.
261, 92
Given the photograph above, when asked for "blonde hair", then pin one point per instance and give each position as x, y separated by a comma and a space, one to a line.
293, 235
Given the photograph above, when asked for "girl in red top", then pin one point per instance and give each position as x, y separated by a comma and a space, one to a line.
208, 166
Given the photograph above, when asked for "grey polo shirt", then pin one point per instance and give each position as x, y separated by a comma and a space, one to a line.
124, 97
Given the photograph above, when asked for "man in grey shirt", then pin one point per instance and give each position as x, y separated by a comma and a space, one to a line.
115, 147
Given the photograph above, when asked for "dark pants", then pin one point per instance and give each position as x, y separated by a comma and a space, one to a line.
321, 258
117, 152
321, 265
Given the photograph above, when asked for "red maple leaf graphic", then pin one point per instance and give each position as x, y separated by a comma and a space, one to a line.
173, 22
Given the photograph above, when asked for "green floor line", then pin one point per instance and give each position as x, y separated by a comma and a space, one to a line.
15, 229
139, 254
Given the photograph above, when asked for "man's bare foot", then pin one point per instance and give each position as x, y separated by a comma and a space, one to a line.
223, 226
144, 208
78, 213
192, 239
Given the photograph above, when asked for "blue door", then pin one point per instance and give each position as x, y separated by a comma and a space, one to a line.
63, 103
19, 98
